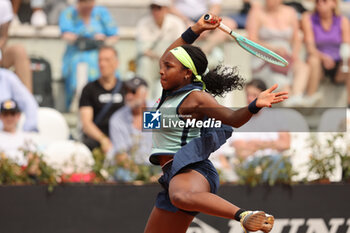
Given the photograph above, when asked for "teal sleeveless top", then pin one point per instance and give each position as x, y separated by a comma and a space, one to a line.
173, 133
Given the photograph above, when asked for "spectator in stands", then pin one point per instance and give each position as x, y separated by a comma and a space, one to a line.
130, 144
297, 5
253, 141
100, 99
276, 27
241, 17
257, 141
125, 125
154, 34
12, 141
12, 88
191, 10
327, 38
85, 27
13, 55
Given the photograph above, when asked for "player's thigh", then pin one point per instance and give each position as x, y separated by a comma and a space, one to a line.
188, 181
161, 221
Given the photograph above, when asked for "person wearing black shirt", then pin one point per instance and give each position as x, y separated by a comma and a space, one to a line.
99, 100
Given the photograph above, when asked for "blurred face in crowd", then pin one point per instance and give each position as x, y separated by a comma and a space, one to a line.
251, 93
158, 13
10, 120
85, 7
136, 98
107, 62
326, 6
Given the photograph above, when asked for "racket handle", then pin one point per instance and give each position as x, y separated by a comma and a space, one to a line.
222, 27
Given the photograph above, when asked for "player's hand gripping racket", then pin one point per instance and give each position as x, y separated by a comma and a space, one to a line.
252, 47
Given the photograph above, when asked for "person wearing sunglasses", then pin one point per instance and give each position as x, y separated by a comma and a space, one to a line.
131, 146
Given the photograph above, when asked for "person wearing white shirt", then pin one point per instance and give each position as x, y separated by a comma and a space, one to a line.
190, 11
263, 136
270, 139
12, 88
194, 9
155, 32
13, 142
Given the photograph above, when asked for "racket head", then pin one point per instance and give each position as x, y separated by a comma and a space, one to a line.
259, 51
252, 47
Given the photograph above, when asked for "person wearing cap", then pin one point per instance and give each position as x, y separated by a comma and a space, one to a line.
12, 88
13, 141
155, 32
125, 129
100, 99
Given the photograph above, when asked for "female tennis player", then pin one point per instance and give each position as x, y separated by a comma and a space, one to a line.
189, 179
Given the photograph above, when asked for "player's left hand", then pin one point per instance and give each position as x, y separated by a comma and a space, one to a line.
267, 97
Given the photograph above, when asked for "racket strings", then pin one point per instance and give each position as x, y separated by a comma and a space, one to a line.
263, 55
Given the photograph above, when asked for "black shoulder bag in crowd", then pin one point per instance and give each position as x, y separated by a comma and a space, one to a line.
105, 108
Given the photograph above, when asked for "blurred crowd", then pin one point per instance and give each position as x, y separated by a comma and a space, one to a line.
110, 107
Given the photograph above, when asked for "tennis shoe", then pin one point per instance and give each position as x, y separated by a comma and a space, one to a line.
268, 224
256, 220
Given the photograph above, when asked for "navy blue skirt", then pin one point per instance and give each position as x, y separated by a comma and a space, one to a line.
204, 167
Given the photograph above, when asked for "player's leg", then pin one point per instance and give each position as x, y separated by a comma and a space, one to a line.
161, 221
190, 191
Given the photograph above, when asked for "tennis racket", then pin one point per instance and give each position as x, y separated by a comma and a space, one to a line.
252, 47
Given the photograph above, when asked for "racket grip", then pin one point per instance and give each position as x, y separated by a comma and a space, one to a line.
222, 27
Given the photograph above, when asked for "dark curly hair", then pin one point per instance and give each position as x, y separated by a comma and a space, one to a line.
219, 81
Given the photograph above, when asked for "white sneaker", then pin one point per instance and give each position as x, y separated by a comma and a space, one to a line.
38, 19
312, 101
15, 21
293, 101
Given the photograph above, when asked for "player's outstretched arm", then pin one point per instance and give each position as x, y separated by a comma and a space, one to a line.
200, 104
